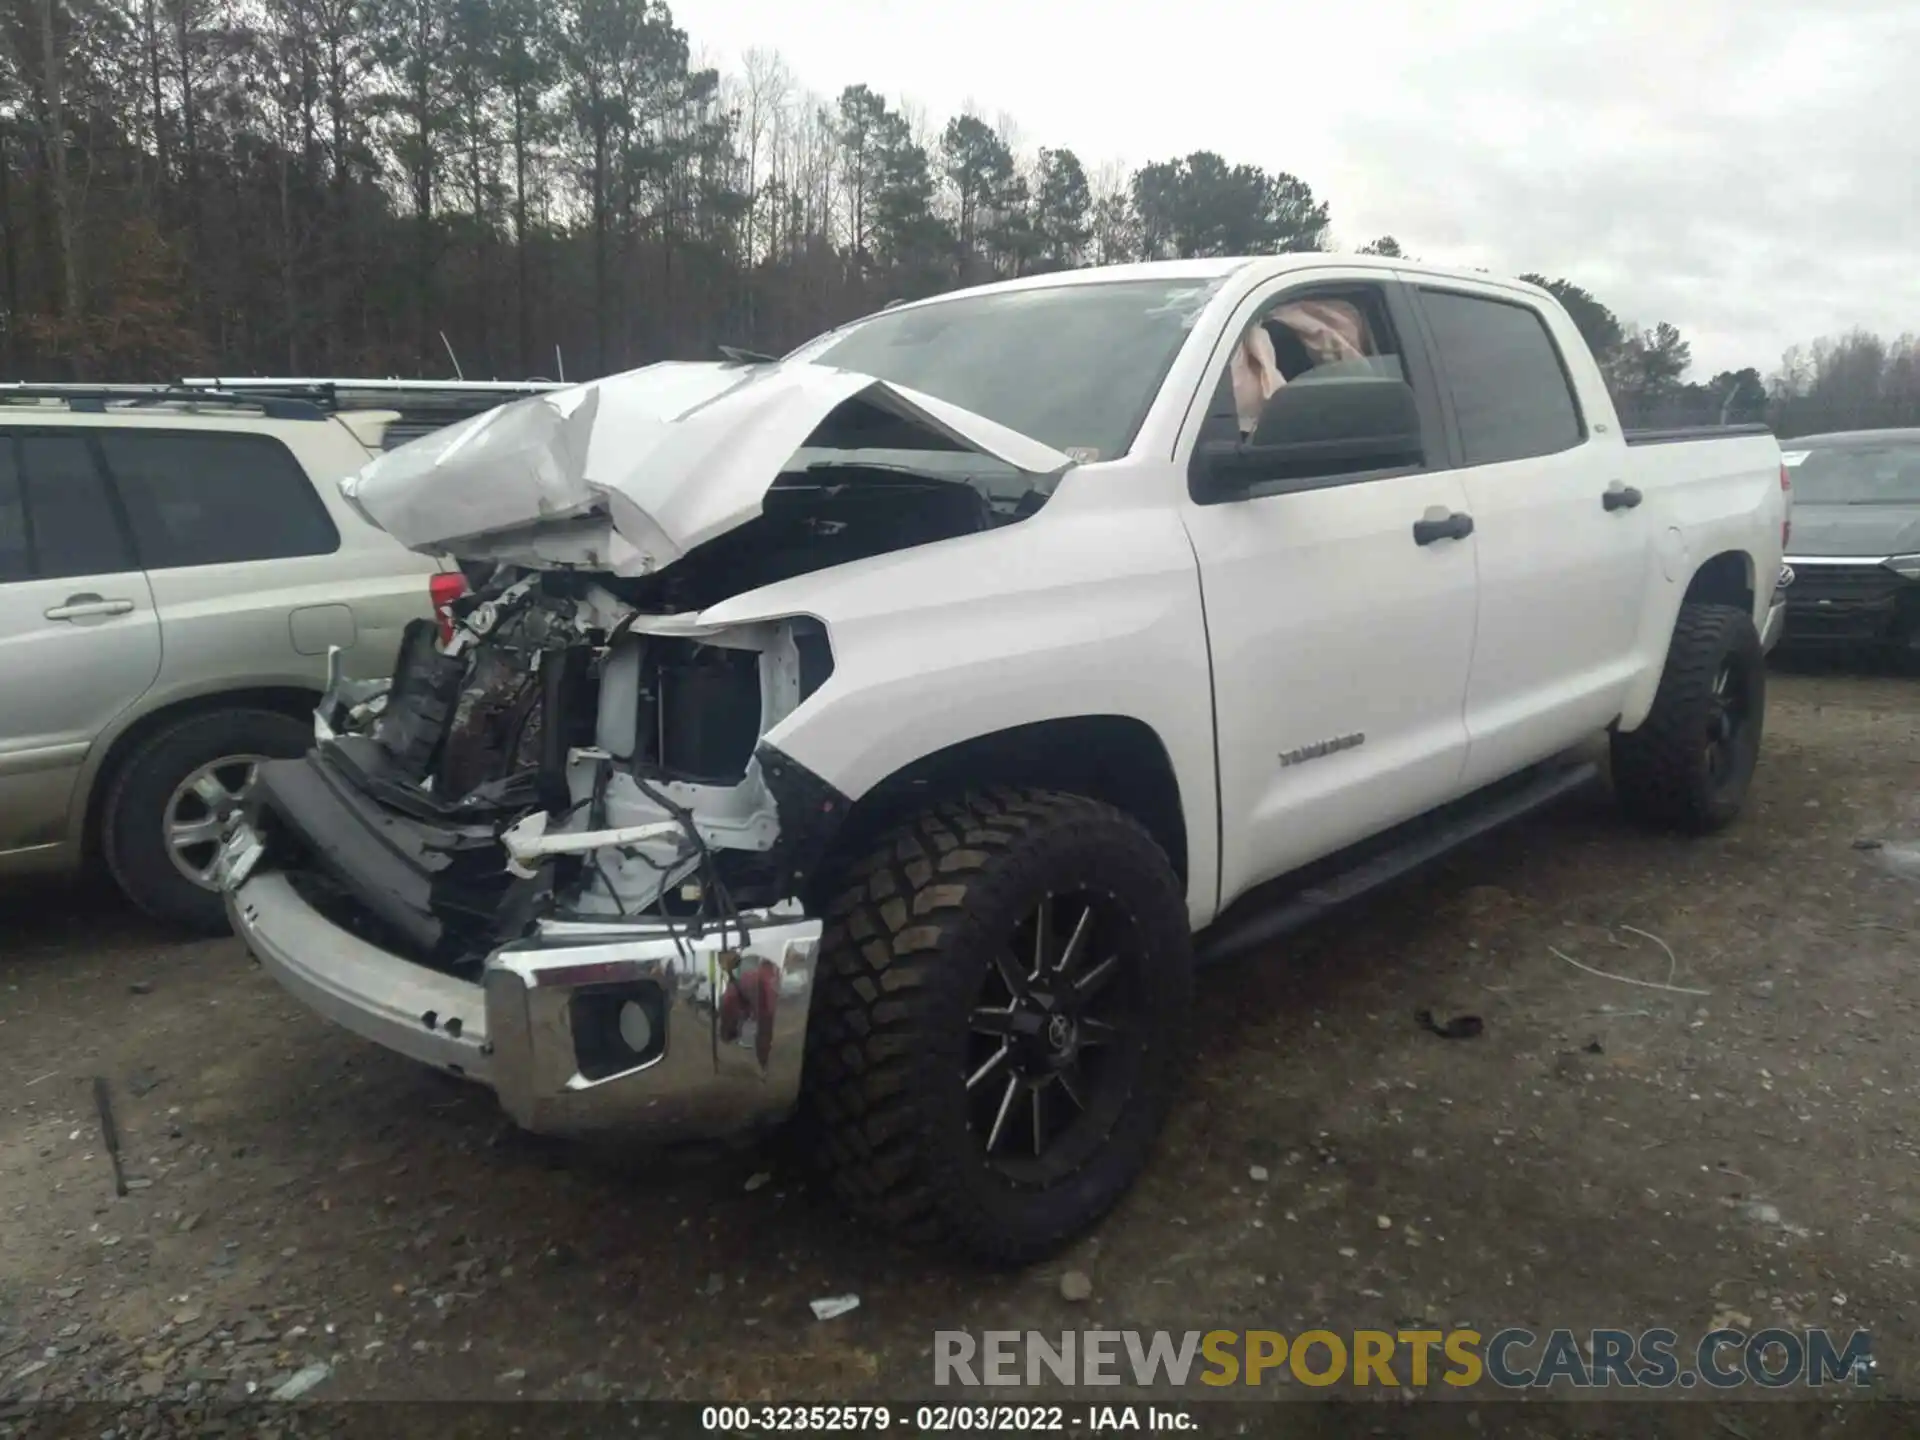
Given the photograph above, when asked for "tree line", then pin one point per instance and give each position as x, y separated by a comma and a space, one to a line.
1856, 381
523, 188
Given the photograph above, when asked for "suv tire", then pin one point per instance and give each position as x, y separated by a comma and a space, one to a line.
1009, 1140
150, 794
1689, 765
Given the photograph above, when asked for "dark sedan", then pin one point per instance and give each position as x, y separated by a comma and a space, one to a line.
1855, 551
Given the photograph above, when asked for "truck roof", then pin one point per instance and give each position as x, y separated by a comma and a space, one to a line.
1219, 267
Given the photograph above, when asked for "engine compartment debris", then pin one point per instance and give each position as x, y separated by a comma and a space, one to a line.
565, 756
579, 746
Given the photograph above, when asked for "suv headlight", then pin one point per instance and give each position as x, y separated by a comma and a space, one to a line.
1907, 567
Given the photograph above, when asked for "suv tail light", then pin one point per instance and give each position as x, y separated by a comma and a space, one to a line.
1786, 518
445, 588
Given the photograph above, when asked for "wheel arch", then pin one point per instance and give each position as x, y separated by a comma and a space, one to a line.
294, 701
1117, 759
1725, 578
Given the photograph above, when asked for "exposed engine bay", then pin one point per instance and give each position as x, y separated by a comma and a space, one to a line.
574, 746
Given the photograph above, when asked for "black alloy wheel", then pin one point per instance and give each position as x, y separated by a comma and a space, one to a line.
1055, 1035
1727, 715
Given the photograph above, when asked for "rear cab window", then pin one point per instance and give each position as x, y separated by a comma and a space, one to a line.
202, 497
1513, 398
57, 515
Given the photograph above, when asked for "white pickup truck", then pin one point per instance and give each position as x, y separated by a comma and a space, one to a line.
884, 731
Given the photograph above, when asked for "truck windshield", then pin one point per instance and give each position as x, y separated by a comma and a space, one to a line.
1874, 474
1073, 366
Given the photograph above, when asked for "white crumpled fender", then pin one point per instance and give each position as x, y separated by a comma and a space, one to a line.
629, 473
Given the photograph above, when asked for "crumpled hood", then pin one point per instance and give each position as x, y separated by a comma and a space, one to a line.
1871, 532
629, 473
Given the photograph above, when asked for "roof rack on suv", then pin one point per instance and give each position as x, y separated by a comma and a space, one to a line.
376, 394
423, 405
95, 399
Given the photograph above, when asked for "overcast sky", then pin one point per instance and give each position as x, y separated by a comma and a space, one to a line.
1749, 171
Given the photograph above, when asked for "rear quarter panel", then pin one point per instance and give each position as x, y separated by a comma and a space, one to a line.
1705, 497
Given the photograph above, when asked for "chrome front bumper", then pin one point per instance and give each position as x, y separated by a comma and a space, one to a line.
729, 1015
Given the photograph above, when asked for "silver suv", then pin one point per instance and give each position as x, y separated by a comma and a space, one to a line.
176, 564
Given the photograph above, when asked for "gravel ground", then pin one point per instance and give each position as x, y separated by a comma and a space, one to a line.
1602, 1154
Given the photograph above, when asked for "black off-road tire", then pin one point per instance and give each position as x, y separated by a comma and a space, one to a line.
133, 818
1663, 775
908, 943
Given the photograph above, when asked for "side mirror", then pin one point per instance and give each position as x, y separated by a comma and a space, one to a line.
1313, 429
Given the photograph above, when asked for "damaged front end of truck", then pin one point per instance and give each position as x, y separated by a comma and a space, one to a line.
561, 852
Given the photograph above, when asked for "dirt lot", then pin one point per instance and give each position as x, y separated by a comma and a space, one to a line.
1603, 1154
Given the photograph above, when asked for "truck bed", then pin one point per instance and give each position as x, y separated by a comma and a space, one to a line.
1676, 434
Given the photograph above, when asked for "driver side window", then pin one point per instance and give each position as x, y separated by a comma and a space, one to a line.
1316, 391
1319, 336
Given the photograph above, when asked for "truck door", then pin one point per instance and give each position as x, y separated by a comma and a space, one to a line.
1563, 538
1339, 601
79, 640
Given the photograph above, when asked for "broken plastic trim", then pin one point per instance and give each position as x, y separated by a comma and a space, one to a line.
655, 833
345, 704
640, 837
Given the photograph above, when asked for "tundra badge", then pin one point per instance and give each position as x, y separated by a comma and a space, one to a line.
1321, 747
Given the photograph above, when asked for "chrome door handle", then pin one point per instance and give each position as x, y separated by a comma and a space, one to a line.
80, 607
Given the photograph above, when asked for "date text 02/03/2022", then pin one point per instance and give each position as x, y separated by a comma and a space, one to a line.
944, 1419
